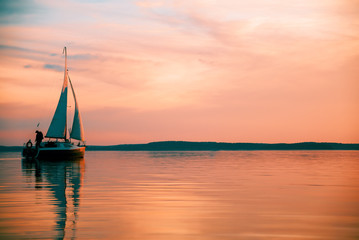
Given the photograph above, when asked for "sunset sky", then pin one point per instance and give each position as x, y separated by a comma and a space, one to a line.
200, 70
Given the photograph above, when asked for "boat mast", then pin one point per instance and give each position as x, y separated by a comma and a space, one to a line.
65, 77
58, 126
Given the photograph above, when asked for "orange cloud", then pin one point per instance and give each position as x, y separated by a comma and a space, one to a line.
230, 71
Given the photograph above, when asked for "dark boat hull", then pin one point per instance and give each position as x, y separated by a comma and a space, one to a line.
54, 154
62, 154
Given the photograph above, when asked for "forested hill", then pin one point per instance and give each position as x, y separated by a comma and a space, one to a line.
217, 146
211, 146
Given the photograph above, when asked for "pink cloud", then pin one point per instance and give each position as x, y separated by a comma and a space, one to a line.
230, 71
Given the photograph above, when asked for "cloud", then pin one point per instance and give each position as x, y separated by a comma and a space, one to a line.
20, 49
149, 4
14, 6
203, 67
18, 11
82, 57
55, 67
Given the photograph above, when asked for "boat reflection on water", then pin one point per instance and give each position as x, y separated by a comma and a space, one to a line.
63, 179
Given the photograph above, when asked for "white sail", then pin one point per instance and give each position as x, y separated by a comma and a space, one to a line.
77, 131
58, 126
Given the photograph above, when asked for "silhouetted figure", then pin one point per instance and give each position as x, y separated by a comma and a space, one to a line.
39, 137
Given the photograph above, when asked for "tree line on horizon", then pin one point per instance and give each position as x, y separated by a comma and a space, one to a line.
217, 146
212, 146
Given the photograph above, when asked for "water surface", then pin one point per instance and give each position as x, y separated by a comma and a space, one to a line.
182, 195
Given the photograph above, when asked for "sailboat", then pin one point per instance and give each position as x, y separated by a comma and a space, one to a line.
58, 144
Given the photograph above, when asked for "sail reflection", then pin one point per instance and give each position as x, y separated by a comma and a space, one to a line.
63, 179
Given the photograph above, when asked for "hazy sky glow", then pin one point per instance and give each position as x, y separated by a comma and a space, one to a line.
200, 70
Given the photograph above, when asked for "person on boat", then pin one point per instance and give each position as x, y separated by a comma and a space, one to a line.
39, 137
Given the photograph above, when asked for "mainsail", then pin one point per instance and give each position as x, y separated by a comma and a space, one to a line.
77, 131
58, 126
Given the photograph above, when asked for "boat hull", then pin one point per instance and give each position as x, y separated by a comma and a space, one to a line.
55, 153
61, 154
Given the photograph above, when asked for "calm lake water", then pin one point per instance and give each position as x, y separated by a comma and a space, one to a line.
182, 195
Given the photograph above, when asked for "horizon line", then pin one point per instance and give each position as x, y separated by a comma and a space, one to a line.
183, 141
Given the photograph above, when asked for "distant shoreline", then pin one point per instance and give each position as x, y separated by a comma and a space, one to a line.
211, 146
222, 146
